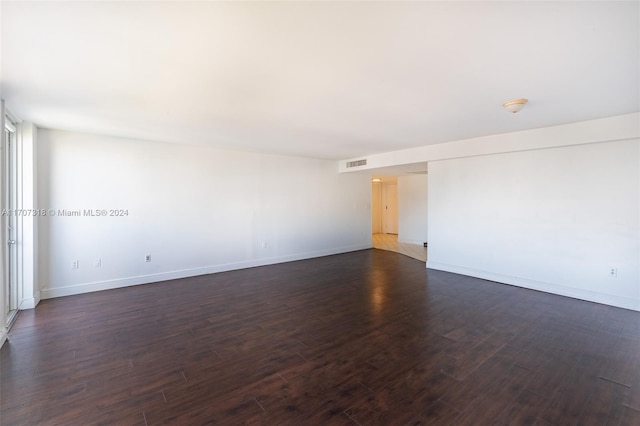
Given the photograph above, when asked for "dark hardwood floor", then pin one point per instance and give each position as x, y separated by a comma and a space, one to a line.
369, 337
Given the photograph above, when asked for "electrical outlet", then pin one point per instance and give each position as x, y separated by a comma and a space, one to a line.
613, 272
147, 258
264, 244
98, 263
75, 264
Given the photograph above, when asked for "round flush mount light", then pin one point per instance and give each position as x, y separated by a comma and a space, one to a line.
514, 105
376, 180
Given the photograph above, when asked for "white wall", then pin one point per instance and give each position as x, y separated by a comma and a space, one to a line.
194, 209
619, 127
412, 209
27, 229
376, 207
553, 219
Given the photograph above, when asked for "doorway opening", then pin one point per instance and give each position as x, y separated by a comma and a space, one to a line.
385, 218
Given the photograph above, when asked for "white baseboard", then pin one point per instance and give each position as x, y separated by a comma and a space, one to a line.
30, 302
3, 335
416, 242
576, 293
51, 292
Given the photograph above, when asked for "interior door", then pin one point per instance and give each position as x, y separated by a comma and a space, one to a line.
376, 208
390, 213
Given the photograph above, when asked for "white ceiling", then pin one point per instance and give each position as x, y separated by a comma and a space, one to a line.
319, 79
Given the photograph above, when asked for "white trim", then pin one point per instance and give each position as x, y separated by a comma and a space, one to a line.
47, 293
557, 289
9, 125
410, 241
11, 116
30, 302
3, 223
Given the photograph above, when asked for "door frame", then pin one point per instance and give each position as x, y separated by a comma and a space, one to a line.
10, 222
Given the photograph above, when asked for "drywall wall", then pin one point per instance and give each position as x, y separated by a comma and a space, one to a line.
620, 127
27, 230
376, 208
194, 209
555, 220
412, 209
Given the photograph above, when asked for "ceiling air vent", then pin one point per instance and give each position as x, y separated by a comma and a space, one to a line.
356, 163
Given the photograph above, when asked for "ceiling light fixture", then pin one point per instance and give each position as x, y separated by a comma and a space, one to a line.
514, 105
376, 180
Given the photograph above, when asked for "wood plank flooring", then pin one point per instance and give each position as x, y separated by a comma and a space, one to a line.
364, 338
